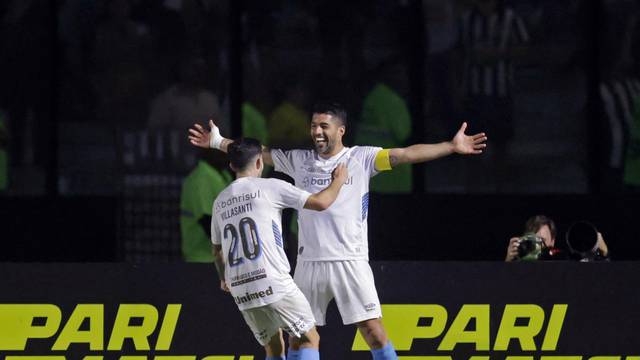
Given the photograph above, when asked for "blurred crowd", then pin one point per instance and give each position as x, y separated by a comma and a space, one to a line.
112, 85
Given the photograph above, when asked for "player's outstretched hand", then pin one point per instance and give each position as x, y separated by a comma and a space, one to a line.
340, 173
223, 286
468, 144
199, 136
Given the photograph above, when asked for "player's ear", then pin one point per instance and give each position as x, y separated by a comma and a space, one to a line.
233, 168
341, 130
259, 162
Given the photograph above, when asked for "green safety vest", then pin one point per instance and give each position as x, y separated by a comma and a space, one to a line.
386, 122
254, 124
289, 125
199, 190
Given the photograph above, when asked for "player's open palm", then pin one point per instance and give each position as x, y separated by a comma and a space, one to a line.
199, 136
340, 173
469, 144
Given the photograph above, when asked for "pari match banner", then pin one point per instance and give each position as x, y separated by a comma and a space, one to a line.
432, 311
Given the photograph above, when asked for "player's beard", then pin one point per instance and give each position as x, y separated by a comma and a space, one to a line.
324, 147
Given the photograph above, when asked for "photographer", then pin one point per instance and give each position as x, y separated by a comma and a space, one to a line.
585, 242
539, 225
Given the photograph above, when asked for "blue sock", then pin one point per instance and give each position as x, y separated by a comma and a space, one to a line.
293, 354
309, 354
386, 353
275, 358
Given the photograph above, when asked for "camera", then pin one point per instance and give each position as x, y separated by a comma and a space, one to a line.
582, 240
530, 247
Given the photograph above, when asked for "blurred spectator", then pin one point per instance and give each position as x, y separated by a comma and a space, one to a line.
386, 122
122, 59
289, 122
256, 100
492, 37
199, 190
254, 124
620, 96
186, 102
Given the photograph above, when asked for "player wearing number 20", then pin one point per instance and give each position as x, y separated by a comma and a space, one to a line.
249, 256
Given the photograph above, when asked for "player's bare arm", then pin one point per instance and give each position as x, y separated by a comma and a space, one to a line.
460, 144
218, 261
322, 200
206, 139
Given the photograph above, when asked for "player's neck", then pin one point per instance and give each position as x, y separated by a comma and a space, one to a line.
336, 150
248, 173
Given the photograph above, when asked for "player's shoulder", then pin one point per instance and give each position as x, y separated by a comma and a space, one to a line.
225, 192
363, 150
269, 183
301, 153
297, 155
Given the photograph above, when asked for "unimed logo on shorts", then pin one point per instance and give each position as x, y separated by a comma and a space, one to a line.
253, 296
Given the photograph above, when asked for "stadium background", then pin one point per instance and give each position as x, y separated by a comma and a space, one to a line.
90, 179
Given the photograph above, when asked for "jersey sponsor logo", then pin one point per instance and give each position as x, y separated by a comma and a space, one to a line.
221, 204
313, 169
253, 296
313, 181
248, 277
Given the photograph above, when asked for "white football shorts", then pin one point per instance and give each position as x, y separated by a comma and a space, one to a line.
349, 282
292, 313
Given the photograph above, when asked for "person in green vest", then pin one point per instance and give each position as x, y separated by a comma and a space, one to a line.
386, 122
4, 158
199, 190
288, 124
254, 124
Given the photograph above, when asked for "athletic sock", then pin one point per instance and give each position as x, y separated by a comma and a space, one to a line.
386, 353
278, 357
293, 354
309, 354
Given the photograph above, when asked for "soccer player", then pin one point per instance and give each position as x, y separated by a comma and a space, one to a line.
248, 252
333, 247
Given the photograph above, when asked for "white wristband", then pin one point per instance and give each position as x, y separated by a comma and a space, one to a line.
215, 139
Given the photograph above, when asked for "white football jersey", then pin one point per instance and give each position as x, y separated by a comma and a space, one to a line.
340, 232
247, 218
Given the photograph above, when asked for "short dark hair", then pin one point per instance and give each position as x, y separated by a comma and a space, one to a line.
242, 152
331, 108
534, 224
